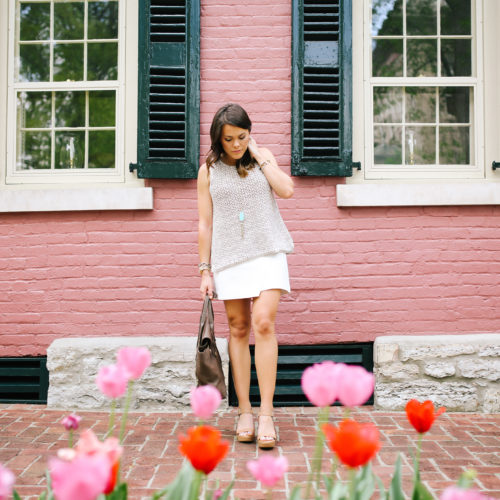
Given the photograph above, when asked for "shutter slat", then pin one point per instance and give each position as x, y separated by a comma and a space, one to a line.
321, 97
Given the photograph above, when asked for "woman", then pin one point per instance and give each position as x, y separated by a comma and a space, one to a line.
244, 241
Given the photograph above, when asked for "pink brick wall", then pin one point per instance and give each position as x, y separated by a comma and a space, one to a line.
356, 273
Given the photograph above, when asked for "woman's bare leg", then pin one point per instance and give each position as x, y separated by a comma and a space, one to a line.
239, 321
264, 312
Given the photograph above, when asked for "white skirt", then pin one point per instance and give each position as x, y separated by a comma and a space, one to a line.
249, 278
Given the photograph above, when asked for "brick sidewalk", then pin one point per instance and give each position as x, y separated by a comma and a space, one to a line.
29, 434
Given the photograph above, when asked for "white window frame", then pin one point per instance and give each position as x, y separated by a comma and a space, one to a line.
473, 171
115, 174
483, 188
70, 191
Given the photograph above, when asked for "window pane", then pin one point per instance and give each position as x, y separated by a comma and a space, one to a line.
454, 104
34, 63
387, 58
102, 61
421, 17
68, 62
388, 105
420, 104
456, 58
387, 17
454, 146
455, 17
34, 109
102, 149
33, 151
102, 108
420, 146
35, 21
70, 109
387, 145
68, 21
421, 58
70, 149
103, 20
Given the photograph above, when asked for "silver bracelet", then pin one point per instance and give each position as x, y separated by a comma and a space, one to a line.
265, 163
204, 266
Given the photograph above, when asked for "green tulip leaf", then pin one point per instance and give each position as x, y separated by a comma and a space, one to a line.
119, 493
395, 489
420, 492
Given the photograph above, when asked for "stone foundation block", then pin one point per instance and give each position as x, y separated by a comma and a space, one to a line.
460, 372
73, 364
454, 396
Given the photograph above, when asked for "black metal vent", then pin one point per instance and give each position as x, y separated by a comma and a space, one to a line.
24, 380
167, 113
293, 360
321, 20
321, 112
168, 21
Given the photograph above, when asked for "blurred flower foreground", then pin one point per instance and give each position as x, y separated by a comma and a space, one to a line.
90, 469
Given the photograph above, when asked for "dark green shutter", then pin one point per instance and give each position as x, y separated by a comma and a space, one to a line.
322, 87
169, 88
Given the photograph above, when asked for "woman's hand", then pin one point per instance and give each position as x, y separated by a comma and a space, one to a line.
207, 285
254, 150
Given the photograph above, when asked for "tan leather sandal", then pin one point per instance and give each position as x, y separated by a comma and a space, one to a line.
266, 440
245, 435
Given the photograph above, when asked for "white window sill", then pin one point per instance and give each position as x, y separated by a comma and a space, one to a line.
408, 195
64, 200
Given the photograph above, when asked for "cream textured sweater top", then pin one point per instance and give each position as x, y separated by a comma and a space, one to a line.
246, 219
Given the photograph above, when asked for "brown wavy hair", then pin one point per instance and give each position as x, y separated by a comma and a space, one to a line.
229, 114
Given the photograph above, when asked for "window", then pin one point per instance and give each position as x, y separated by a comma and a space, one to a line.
65, 91
169, 89
423, 89
321, 87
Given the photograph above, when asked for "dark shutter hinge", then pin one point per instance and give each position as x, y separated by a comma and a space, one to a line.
495, 165
133, 166
356, 165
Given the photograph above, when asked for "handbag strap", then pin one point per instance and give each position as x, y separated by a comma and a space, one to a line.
207, 313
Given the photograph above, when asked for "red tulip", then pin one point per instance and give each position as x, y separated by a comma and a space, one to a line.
422, 415
355, 444
203, 447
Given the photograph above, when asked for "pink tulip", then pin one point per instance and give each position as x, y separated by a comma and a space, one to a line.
71, 422
268, 469
456, 493
88, 444
355, 386
135, 360
84, 478
6, 483
320, 382
205, 400
112, 381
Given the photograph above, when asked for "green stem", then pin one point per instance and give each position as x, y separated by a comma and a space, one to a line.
70, 439
111, 419
347, 412
196, 485
419, 447
315, 474
352, 484
269, 494
125, 411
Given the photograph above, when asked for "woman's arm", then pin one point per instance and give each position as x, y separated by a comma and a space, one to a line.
204, 230
281, 183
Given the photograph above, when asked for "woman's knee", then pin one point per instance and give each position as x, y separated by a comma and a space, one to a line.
263, 325
239, 327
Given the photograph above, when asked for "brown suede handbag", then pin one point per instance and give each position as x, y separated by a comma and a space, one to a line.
208, 362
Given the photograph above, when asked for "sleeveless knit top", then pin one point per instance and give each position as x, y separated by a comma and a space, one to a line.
246, 220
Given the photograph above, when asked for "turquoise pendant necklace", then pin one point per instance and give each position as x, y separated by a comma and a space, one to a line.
242, 223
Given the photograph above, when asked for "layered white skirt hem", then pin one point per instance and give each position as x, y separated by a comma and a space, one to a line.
249, 278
